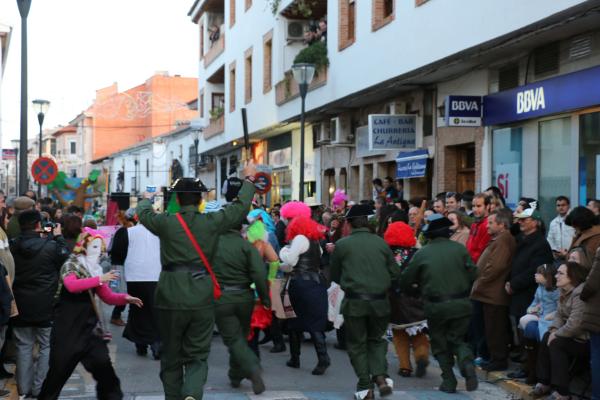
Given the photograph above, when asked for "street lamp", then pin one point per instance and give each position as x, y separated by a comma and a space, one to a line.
24, 6
41, 108
196, 135
303, 74
15, 143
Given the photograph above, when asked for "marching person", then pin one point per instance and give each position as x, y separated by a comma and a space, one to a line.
444, 272
237, 265
364, 266
184, 295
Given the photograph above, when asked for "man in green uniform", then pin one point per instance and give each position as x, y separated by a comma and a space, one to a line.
237, 265
184, 295
444, 273
364, 267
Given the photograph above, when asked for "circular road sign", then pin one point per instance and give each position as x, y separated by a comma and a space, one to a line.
44, 170
262, 182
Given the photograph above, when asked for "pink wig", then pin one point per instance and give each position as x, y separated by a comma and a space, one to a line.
295, 209
339, 198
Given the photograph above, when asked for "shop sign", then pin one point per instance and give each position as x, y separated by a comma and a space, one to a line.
280, 158
463, 110
392, 132
507, 180
555, 95
9, 154
412, 164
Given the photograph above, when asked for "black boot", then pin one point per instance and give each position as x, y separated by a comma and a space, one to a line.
141, 349
530, 347
294, 361
468, 372
321, 349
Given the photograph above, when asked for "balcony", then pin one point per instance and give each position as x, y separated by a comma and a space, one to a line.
287, 89
215, 127
216, 49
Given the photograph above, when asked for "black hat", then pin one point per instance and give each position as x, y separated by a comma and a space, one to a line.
436, 222
188, 185
29, 217
359, 210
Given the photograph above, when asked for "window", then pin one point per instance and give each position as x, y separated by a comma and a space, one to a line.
73, 147
555, 164
248, 76
589, 157
546, 59
201, 41
53, 147
347, 23
73, 173
383, 13
201, 103
508, 77
267, 62
507, 160
231, 13
248, 4
147, 167
428, 112
232, 87
217, 100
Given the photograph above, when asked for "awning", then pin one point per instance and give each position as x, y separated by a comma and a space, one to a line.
412, 164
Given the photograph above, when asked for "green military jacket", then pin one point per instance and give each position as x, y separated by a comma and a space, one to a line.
440, 269
13, 229
237, 262
363, 263
179, 290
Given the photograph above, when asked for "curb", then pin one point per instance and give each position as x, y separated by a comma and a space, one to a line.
518, 389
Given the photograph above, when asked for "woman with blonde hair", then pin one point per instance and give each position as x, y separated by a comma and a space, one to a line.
460, 231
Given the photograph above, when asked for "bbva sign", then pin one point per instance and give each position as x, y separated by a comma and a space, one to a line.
531, 100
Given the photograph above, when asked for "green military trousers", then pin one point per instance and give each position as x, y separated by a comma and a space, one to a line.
233, 321
366, 347
186, 337
447, 336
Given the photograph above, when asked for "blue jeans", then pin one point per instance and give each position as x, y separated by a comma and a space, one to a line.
595, 358
532, 332
30, 375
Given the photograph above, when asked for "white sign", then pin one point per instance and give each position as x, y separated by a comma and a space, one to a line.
464, 121
392, 132
531, 100
508, 181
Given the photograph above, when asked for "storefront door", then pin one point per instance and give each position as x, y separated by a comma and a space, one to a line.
589, 156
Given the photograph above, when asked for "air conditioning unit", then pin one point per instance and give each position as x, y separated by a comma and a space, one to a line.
295, 30
324, 132
339, 130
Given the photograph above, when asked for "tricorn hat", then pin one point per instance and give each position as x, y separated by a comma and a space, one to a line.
359, 210
436, 222
188, 185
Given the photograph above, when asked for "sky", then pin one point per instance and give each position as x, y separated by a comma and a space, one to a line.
78, 46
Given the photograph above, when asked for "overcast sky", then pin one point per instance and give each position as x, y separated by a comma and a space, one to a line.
79, 46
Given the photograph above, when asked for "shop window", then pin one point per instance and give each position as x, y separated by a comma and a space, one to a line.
508, 77
546, 59
507, 161
555, 164
589, 157
347, 23
281, 191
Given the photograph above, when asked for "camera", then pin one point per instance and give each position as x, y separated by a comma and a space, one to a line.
49, 226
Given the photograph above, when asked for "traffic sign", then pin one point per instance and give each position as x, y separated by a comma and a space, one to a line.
262, 182
44, 170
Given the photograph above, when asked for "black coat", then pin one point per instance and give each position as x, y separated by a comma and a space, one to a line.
532, 251
37, 265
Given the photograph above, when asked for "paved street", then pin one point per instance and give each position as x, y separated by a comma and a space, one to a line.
139, 377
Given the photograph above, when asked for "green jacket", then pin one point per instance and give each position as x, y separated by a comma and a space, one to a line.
178, 290
237, 262
363, 263
13, 229
441, 268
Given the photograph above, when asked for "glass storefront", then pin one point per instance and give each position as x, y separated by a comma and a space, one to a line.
554, 164
507, 161
589, 156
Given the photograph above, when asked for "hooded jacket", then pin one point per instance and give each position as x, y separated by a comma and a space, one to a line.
37, 264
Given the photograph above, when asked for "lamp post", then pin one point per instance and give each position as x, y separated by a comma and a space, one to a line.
41, 108
303, 74
196, 141
24, 6
15, 143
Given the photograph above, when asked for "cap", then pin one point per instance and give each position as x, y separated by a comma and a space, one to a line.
531, 212
359, 210
189, 185
23, 203
130, 213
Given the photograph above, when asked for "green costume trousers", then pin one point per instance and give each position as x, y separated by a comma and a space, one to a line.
233, 321
186, 337
366, 347
447, 338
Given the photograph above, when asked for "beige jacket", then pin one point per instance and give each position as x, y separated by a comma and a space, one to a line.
568, 320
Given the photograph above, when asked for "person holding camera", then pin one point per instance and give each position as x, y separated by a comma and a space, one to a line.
38, 256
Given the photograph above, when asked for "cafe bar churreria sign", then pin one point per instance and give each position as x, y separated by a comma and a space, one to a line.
563, 93
392, 132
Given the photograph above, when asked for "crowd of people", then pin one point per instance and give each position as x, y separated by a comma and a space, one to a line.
461, 277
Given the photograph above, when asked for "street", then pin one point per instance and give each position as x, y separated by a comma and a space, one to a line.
140, 379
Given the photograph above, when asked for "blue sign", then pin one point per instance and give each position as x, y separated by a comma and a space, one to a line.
412, 164
463, 110
562, 93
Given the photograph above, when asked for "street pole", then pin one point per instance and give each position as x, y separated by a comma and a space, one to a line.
196, 158
303, 89
41, 121
24, 6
